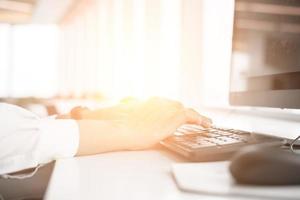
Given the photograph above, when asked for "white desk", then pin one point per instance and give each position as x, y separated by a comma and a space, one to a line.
144, 175
140, 175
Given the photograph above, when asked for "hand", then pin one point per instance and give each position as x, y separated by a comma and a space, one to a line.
137, 125
152, 121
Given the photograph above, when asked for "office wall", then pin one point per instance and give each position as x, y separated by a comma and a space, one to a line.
28, 60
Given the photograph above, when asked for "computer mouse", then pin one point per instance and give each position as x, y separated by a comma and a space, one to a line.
265, 166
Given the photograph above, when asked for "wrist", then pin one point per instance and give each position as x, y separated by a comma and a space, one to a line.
98, 136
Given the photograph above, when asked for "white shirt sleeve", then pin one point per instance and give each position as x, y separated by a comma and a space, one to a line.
27, 141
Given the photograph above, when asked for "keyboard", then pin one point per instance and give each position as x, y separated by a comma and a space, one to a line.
211, 144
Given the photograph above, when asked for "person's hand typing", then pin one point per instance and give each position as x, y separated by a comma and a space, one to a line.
134, 125
152, 121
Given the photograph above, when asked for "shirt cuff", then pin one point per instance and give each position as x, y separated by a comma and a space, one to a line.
59, 139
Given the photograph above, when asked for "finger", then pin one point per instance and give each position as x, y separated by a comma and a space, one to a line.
168, 125
193, 117
76, 112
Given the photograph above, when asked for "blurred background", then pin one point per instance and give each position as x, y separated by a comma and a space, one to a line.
54, 51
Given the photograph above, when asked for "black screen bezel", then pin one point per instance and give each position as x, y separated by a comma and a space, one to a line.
289, 99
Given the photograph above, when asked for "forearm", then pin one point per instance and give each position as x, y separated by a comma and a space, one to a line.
132, 128
100, 136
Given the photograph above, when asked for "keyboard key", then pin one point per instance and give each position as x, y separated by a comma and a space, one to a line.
224, 133
213, 140
193, 129
181, 130
190, 132
228, 140
239, 132
178, 133
213, 131
200, 131
199, 128
202, 145
224, 129
241, 138
209, 134
221, 141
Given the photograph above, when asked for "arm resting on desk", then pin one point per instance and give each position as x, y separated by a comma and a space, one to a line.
143, 125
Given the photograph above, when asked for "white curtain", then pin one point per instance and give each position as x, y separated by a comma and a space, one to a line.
28, 60
122, 48
174, 48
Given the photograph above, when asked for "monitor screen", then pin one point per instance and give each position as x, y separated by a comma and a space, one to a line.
265, 64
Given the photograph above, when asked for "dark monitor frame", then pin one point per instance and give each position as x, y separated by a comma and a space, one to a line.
289, 99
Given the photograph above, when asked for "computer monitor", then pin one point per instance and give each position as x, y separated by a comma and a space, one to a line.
265, 64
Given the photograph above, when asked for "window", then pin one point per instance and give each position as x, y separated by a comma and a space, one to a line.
28, 64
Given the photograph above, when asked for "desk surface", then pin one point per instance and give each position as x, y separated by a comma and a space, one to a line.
144, 174
121, 175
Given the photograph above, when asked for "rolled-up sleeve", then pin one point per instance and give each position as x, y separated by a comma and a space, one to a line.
27, 141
